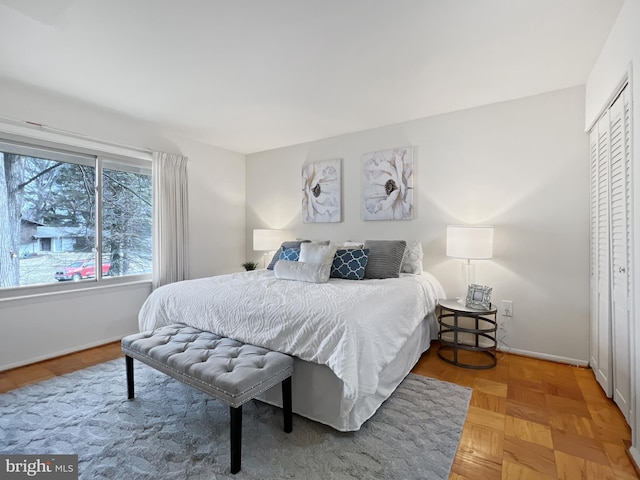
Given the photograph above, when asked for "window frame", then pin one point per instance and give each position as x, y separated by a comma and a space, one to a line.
80, 147
132, 166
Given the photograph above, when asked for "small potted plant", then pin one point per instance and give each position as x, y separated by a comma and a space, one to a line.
250, 266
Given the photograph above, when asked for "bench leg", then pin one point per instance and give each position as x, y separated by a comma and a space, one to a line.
129, 363
286, 405
236, 438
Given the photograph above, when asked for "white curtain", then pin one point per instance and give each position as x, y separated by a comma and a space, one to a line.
170, 219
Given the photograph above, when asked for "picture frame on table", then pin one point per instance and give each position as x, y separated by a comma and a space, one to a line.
479, 296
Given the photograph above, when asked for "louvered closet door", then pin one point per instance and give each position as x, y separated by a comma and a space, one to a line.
620, 223
611, 231
601, 360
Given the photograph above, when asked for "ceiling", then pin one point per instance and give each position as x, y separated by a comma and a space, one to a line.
253, 75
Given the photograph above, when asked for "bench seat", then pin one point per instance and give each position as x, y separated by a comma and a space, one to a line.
226, 369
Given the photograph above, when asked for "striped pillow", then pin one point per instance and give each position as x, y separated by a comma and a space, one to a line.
385, 258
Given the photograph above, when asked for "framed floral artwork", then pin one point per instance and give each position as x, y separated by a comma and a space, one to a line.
322, 191
387, 183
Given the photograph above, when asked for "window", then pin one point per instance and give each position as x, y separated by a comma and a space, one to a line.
126, 219
62, 213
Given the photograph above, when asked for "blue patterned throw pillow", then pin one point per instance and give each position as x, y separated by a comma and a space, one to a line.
291, 254
350, 263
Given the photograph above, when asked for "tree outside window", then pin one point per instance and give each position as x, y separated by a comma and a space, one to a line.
49, 204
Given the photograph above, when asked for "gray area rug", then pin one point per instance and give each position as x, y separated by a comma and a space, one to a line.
171, 431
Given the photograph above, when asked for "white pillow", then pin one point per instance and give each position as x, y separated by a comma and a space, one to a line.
316, 253
352, 244
302, 272
412, 260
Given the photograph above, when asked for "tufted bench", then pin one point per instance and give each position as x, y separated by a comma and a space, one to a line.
226, 369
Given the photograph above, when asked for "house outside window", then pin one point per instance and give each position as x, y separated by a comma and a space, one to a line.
62, 213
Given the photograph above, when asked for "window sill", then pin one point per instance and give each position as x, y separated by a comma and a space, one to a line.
29, 293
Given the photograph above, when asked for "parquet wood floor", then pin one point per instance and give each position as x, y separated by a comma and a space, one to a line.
529, 419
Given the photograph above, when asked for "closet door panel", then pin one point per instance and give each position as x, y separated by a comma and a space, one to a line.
593, 252
620, 221
601, 356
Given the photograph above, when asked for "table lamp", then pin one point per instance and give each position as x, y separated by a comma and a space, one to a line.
266, 240
469, 243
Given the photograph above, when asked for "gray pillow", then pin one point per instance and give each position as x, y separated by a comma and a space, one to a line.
285, 245
385, 258
302, 271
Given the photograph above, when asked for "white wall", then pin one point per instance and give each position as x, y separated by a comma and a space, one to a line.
621, 55
521, 166
39, 328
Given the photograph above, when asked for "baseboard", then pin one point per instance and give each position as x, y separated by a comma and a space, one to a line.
546, 356
526, 353
634, 456
60, 353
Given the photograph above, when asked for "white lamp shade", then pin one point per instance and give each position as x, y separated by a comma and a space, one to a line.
471, 242
266, 240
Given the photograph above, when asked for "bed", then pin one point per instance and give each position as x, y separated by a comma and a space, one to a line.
353, 342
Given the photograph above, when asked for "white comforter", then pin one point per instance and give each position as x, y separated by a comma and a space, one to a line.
355, 327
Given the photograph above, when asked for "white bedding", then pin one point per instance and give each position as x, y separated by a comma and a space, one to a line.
355, 327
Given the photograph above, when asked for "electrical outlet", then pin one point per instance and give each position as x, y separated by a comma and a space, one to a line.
507, 308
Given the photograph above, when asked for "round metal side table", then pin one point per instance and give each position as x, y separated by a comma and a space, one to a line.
483, 326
